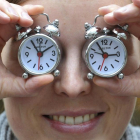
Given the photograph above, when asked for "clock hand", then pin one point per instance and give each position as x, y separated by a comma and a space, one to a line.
98, 53
34, 45
38, 62
39, 47
100, 47
105, 55
118, 54
102, 64
47, 49
111, 54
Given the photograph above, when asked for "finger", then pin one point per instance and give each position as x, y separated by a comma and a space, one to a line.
4, 19
34, 9
129, 14
18, 87
129, 86
107, 9
136, 2
122, 14
26, 13
24, 19
6, 8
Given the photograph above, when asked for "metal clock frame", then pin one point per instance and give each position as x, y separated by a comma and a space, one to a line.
87, 58
25, 68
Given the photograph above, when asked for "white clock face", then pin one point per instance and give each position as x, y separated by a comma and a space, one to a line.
106, 56
39, 54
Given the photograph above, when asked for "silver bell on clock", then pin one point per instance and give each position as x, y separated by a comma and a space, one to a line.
39, 53
105, 55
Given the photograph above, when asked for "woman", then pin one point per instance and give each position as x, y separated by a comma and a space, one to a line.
69, 107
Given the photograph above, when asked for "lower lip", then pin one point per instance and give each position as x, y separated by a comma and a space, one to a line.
80, 128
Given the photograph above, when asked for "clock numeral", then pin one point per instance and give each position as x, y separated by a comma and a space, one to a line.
105, 69
39, 40
93, 49
27, 54
51, 59
53, 53
118, 54
34, 65
46, 41
93, 62
91, 56
29, 61
117, 61
116, 47
110, 43
28, 47
47, 64
104, 42
112, 66
41, 67
99, 67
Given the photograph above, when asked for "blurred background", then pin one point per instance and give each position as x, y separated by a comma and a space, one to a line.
136, 117
135, 120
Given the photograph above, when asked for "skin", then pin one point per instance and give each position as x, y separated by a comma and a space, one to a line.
29, 99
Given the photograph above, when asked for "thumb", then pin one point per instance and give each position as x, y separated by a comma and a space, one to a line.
129, 86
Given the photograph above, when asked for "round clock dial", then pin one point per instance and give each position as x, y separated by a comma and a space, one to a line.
106, 56
39, 54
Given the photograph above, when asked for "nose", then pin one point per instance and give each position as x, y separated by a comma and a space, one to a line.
72, 81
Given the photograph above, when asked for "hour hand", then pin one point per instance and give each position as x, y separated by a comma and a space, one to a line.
98, 53
34, 45
118, 54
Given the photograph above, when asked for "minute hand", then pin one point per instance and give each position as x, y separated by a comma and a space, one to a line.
100, 47
47, 48
34, 45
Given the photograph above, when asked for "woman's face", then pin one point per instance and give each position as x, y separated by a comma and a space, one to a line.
71, 94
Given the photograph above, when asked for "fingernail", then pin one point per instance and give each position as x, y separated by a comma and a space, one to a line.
122, 9
25, 15
4, 15
109, 14
12, 11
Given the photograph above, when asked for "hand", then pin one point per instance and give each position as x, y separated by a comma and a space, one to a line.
130, 85
10, 71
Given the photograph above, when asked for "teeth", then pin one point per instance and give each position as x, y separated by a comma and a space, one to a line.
78, 120
62, 119
69, 120
73, 120
55, 118
86, 118
92, 116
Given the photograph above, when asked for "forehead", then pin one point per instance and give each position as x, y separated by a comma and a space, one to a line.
121, 2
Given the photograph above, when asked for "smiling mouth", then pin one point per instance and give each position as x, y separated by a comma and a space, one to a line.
69, 120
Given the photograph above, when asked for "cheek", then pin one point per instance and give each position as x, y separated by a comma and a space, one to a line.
119, 114
22, 117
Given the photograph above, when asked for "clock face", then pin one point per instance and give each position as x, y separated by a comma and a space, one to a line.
106, 56
39, 54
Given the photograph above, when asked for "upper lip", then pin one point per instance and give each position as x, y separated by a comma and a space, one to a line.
75, 113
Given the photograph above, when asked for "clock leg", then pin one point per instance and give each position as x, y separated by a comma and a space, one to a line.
25, 75
90, 76
120, 75
56, 73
